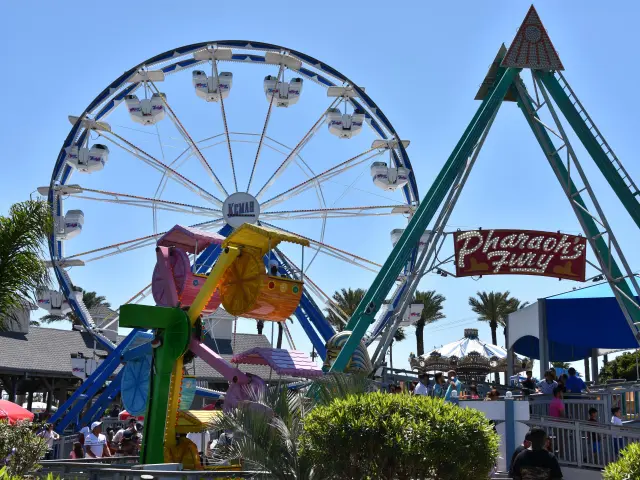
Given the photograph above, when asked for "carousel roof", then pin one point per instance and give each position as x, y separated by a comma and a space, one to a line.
471, 343
469, 354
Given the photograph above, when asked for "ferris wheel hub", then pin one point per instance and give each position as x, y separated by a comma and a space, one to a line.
239, 208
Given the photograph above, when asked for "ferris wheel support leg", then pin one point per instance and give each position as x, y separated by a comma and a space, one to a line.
596, 238
594, 143
103, 401
69, 411
370, 304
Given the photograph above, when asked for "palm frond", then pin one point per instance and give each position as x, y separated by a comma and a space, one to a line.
22, 238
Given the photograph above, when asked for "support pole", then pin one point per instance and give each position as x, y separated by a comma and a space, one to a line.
544, 342
594, 366
587, 370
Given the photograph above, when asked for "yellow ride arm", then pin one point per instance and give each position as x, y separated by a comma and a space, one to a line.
226, 258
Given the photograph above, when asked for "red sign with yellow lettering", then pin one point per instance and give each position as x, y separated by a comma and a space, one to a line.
520, 252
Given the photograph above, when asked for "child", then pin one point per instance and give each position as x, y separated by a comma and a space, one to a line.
593, 415
616, 419
77, 451
556, 408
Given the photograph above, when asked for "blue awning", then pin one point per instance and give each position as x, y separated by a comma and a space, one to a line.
578, 321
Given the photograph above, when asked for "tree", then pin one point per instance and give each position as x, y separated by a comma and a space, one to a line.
493, 307
398, 336
91, 300
389, 437
564, 365
432, 312
22, 272
623, 366
627, 465
267, 428
22, 446
347, 300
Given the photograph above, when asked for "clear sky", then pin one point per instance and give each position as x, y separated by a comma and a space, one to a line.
421, 62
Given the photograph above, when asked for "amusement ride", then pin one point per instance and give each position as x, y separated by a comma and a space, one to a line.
242, 255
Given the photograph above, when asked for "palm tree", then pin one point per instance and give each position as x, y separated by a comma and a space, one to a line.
564, 365
398, 336
22, 272
91, 300
432, 312
346, 300
492, 307
267, 428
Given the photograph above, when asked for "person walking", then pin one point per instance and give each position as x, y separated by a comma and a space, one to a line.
526, 444
537, 463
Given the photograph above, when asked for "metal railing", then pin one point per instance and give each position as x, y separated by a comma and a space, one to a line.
627, 397
576, 408
124, 468
585, 444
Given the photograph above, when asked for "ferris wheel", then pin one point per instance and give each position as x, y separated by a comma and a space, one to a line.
213, 135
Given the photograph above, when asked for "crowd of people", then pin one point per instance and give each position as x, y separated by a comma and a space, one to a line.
450, 388
93, 443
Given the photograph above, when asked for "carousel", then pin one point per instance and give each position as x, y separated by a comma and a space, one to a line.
470, 357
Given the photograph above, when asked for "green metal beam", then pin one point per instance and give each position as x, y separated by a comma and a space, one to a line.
586, 135
174, 328
370, 304
588, 222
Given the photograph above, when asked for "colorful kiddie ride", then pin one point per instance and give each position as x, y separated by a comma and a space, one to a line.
240, 282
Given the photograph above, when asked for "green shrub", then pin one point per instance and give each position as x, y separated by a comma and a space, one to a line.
628, 465
29, 447
4, 475
382, 436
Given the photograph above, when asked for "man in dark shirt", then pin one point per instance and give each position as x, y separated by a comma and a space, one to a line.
537, 463
529, 385
521, 448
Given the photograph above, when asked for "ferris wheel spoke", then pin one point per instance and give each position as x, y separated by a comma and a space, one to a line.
296, 150
335, 252
264, 128
322, 177
190, 142
160, 166
214, 65
317, 291
137, 298
144, 202
344, 212
136, 243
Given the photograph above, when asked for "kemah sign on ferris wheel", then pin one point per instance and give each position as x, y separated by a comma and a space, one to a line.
523, 252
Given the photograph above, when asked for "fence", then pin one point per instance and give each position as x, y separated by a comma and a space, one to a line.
585, 444
124, 468
577, 407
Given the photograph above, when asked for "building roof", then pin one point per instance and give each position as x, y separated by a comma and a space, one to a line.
46, 352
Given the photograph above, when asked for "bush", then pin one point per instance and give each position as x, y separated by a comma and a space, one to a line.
627, 466
29, 448
382, 436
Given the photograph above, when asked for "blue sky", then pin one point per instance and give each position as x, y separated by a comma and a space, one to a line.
422, 63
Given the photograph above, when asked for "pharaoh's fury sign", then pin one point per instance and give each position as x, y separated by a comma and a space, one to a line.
524, 252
